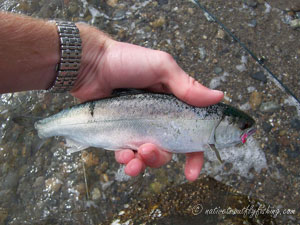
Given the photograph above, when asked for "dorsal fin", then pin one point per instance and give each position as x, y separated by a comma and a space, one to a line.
127, 91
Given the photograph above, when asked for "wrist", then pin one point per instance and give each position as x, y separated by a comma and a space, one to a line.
94, 45
52, 57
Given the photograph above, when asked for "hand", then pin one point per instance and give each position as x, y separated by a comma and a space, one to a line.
108, 64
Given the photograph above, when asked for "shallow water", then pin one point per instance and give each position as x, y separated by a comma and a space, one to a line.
41, 184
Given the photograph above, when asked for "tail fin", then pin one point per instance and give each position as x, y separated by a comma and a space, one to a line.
26, 121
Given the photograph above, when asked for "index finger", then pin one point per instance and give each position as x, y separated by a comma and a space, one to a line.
186, 87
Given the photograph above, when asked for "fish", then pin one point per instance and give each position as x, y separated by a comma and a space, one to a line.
128, 121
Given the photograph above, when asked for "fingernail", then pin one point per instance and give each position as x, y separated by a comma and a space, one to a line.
217, 92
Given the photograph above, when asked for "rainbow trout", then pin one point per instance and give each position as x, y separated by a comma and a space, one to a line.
128, 121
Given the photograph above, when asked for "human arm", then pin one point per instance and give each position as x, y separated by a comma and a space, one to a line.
29, 51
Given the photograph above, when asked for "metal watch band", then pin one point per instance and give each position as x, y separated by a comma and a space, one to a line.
70, 56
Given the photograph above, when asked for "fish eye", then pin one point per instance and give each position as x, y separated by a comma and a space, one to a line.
243, 125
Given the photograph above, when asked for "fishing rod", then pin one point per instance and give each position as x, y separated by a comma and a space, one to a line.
258, 60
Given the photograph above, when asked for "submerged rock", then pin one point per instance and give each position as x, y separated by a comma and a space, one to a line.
96, 194
53, 184
251, 3
255, 100
269, 107
3, 215
252, 23
267, 127
295, 23
292, 154
11, 181
89, 159
259, 76
202, 53
295, 123
158, 22
218, 70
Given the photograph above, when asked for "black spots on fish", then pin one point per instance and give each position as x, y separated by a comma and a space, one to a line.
245, 120
244, 124
210, 111
92, 108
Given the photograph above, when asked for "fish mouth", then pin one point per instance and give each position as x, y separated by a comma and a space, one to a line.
247, 134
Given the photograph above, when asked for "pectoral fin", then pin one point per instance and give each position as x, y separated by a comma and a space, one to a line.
214, 149
74, 146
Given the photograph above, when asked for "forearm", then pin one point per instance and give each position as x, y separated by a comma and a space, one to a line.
29, 52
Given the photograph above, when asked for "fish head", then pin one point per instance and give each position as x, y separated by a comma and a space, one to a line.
234, 128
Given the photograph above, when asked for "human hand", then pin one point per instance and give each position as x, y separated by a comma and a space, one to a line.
108, 65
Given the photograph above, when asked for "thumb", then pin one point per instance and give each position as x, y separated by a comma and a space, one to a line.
191, 91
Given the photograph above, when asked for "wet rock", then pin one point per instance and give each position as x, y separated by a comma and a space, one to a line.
274, 147
101, 168
282, 133
292, 154
46, 11
251, 3
269, 107
202, 53
89, 159
120, 13
80, 188
259, 76
112, 3
3, 215
191, 11
220, 34
23, 6
11, 181
96, 194
218, 70
162, 2
255, 100
241, 67
53, 184
284, 141
267, 127
73, 8
295, 123
156, 187
208, 17
39, 182
6, 197
158, 22
252, 23
295, 23
5, 167
105, 177
291, 5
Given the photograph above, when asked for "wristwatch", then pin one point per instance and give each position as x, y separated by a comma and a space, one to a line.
70, 56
